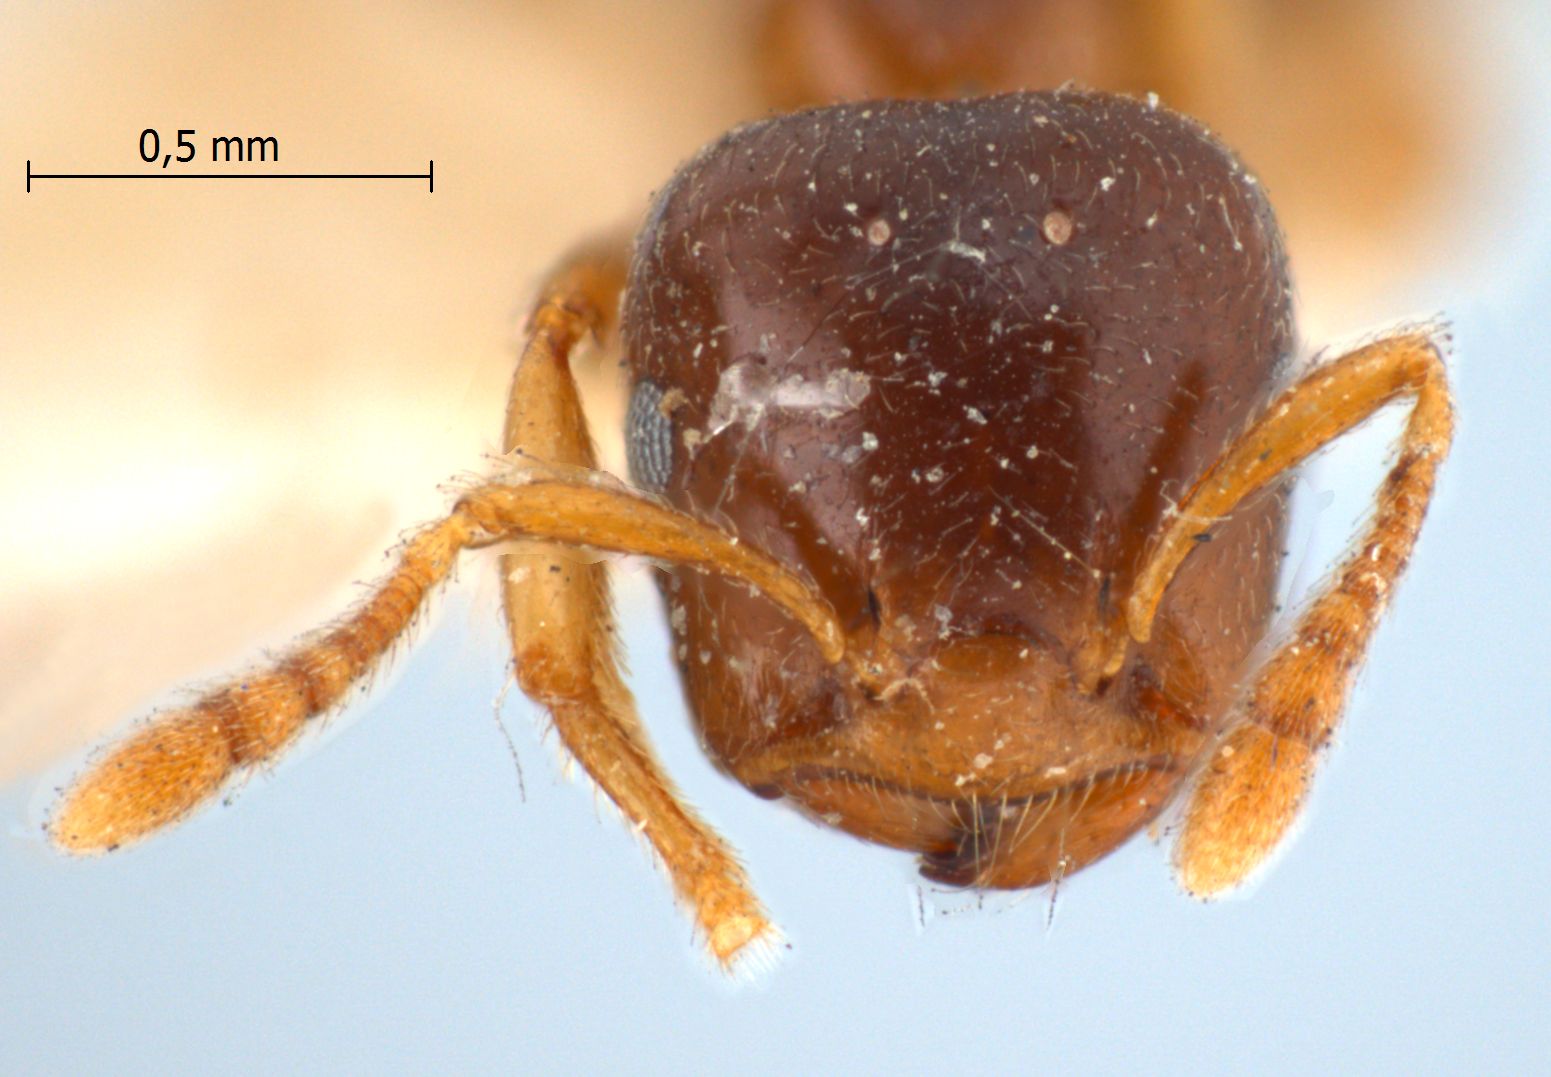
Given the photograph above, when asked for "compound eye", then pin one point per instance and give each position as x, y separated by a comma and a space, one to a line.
648, 438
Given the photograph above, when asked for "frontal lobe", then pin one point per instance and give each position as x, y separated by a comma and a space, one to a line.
952, 358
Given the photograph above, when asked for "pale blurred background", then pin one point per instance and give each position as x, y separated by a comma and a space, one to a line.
220, 402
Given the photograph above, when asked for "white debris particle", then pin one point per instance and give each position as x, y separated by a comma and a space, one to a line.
1152, 102
1106, 183
935, 475
964, 250
975, 415
879, 232
747, 389
982, 761
1033, 452
943, 616
869, 441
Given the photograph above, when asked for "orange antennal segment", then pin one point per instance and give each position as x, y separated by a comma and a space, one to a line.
579, 511
1328, 402
180, 760
1254, 782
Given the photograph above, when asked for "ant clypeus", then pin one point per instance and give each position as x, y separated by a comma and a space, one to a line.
946, 425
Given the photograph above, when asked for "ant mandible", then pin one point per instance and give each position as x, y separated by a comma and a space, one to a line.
950, 424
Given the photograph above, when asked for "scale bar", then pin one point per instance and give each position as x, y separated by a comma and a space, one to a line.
429, 175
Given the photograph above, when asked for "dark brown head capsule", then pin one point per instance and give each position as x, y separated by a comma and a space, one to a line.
955, 362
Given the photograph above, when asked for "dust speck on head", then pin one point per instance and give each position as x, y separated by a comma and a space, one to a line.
747, 390
879, 232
